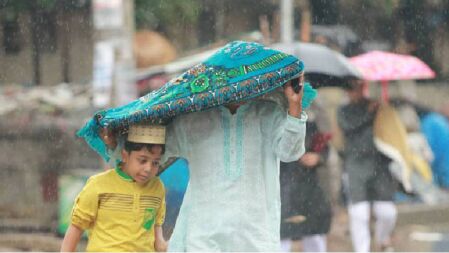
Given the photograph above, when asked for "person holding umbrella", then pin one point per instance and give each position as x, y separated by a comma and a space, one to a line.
370, 181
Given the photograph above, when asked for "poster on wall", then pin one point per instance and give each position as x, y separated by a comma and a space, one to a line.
108, 14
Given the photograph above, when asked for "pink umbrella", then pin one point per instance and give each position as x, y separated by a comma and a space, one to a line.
385, 66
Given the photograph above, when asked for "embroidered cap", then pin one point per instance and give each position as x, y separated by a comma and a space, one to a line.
150, 134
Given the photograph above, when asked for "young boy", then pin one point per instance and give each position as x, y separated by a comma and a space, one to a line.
124, 208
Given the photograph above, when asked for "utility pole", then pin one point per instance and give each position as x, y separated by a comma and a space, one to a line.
36, 51
287, 29
264, 27
114, 64
306, 21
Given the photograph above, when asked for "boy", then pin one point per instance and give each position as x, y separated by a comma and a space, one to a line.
124, 209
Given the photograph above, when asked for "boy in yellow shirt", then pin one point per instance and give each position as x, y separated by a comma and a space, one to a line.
124, 208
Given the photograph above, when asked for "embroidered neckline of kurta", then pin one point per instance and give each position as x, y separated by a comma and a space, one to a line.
233, 161
123, 175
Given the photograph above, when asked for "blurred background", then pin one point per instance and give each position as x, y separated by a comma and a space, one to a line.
62, 60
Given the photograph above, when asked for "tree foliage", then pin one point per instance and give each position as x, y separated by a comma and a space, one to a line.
18, 6
160, 14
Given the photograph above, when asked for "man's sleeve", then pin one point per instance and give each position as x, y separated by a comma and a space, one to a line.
288, 135
85, 208
174, 139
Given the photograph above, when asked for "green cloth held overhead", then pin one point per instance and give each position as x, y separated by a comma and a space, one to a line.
237, 72
232, 202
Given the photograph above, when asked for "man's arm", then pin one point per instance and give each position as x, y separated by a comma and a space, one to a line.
160, 245
289, 132
71, 239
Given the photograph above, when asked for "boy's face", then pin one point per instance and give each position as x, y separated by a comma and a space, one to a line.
142, 165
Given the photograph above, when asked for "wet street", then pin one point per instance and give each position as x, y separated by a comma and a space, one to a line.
424, 230
419, 229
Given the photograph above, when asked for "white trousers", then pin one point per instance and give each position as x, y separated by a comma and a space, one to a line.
311, 243
359, 213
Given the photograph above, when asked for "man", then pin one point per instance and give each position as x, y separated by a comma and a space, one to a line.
232, 202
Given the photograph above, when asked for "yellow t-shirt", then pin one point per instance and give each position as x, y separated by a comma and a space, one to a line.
119, 214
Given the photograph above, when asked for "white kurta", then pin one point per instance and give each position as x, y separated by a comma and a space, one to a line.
232, 202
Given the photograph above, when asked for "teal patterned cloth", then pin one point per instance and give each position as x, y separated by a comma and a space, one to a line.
237, 72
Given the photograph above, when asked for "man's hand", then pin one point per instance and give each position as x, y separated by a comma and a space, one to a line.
108, 138
294, 100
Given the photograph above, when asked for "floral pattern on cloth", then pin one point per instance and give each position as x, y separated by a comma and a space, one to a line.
237, 72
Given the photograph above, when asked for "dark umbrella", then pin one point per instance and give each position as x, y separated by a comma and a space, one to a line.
323, 66
339, 35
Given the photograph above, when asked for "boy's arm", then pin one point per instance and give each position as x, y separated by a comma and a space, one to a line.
71, 239
159, 243
83, 214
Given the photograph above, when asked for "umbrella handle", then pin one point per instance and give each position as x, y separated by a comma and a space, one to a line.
365, 88
384, 94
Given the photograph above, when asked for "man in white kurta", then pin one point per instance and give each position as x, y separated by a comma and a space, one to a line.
232, 202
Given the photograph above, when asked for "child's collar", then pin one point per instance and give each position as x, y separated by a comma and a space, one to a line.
123, 175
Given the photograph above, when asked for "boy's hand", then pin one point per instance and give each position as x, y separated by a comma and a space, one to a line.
108, 138
161, 245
